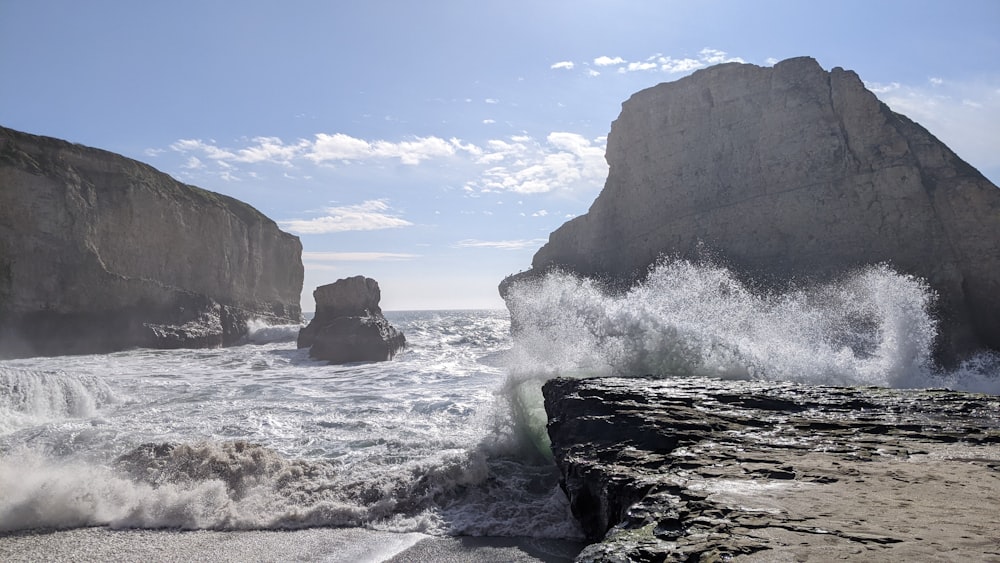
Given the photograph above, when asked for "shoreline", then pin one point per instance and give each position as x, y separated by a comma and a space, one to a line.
355, 545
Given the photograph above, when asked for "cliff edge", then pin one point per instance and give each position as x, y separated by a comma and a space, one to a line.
99, 252
790, 173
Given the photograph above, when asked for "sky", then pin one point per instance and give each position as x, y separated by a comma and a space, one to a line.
434, 145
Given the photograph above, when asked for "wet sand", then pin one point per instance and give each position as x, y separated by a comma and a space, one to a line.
321, 544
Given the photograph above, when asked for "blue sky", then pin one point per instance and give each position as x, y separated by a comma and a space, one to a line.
433, 145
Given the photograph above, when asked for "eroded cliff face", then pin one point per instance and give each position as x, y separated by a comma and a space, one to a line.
791, 172
100, 252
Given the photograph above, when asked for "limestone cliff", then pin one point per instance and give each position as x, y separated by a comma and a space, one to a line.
791, 172
99, 252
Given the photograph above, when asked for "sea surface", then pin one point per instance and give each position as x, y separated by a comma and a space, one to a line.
448, 439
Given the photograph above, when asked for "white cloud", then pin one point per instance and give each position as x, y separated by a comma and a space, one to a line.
270, 149
208, 149
492, 101
367, 216
608, 61
632, 67
567, 65
562, 162
592, 72
670, 65
339, 147
882, 88
715, 56
501, 244
193, 163
325, 148
540, 213
412, 152
356, 256
566, 162
661, 63
489, 121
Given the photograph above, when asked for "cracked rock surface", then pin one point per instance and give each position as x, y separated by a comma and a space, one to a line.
698, 469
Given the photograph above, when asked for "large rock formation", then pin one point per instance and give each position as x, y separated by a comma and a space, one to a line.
790, 173
696, 469
349, 325
99, 252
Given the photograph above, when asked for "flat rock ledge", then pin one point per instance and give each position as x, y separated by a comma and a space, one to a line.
696, 469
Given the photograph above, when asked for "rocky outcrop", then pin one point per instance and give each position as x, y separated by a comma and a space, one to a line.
349, 325
695, 469
790, 173
99, 252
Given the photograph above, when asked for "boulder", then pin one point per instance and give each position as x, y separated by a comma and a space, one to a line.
790, 173
99, 252
349, 326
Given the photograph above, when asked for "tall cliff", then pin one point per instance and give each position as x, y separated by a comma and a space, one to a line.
99, 252
790, 173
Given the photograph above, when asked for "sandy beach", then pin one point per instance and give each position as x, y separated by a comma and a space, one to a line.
321, 544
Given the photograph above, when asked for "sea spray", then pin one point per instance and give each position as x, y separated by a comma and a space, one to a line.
29, 397
872, 327
260, 331
262, 437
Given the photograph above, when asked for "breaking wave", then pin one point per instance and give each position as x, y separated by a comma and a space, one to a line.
259, 332
242, 486
872, 327
29, 397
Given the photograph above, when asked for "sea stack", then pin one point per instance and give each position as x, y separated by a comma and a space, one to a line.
349, 325
790, 174
99, 253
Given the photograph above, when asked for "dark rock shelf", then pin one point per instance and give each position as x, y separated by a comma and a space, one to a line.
688, 469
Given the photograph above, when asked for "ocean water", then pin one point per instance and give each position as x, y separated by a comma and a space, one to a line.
446, 439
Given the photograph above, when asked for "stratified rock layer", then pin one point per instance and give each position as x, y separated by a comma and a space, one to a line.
349, 325
689, 469
791, 173
99, 252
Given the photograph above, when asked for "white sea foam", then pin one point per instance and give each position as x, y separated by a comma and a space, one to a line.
448, 438
260, 332
872, 327
29, 397
262, 437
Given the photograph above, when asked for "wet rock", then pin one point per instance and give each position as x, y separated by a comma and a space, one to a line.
686, 469
349, 325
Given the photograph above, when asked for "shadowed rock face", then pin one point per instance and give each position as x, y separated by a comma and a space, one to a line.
698, 469
99, 252
790, 173
349, 325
